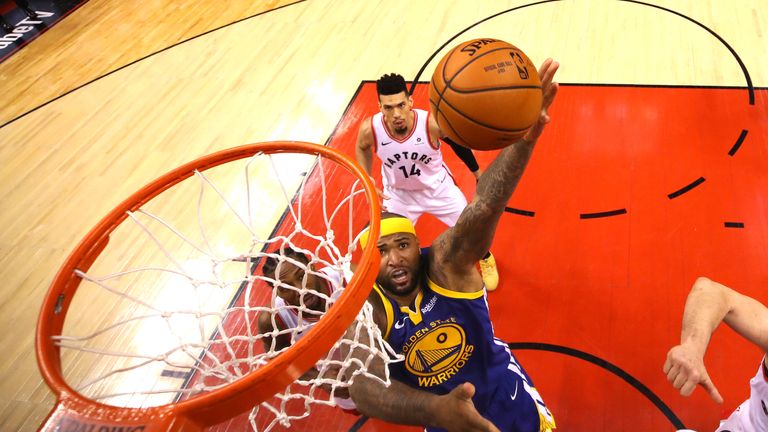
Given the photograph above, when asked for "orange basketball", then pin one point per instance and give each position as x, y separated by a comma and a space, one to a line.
485, 94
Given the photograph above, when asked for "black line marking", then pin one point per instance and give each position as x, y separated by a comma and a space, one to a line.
739, 141
733, 52
141, 59
685, 189
424, 66
734, 224
174, 374
358, 424
671, 86
603, 214
519, 212
610, 367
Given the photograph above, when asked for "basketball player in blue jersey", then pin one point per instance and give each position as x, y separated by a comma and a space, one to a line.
431, 306
416, 181
710, 303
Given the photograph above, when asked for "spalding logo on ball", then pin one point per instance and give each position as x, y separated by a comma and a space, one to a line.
485, 94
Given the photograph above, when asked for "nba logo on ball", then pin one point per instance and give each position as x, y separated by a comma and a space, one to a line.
485, 94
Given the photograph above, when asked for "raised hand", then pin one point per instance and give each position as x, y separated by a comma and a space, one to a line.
685, 369
549, 91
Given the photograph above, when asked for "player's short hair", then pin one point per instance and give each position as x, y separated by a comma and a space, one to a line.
391, 84
270, 263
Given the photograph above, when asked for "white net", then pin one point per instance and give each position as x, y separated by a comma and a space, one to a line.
180, 302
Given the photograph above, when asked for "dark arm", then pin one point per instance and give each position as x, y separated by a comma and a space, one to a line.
274, 342
455, 252
464, 154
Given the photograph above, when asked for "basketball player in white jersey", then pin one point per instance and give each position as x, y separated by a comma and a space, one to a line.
326, 281
416, 181
710, 303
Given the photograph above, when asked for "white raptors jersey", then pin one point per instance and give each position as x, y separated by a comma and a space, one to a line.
752, 415
290, 316
411, 163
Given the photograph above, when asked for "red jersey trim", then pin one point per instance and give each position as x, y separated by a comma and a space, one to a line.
280, 322
450, 175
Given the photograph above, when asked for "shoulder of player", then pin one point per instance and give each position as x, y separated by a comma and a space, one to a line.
364, 134
443, 271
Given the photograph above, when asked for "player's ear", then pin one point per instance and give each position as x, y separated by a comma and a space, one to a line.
410, 100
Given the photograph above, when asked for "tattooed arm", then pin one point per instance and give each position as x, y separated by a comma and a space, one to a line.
455, 252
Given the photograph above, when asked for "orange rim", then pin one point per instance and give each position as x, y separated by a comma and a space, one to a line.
217, 405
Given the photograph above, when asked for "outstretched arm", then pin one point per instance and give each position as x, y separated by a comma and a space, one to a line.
459, 248
710, 303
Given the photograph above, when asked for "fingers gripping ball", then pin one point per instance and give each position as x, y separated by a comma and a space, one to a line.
485, 94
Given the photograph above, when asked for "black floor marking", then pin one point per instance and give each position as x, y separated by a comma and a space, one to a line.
603, 214
519, 212
358, 424
736, 146
748, 79
695, 183
424, 66
722, 41
174, 374
734, 224
610, 367
141, 59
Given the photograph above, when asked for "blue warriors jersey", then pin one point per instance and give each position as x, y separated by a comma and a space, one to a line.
447, 339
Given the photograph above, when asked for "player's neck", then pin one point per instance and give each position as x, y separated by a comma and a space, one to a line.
410, 123
407, 299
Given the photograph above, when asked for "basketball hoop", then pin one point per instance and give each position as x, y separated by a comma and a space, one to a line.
217, 386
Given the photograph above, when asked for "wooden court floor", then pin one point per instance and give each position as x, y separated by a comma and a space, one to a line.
652, 173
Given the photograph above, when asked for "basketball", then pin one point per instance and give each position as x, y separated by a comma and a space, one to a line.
485, 94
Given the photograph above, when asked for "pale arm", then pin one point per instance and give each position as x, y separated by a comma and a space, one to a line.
710, 303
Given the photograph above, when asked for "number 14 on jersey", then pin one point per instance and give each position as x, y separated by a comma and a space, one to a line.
414, 171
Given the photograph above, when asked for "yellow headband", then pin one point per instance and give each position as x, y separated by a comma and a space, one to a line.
390, 226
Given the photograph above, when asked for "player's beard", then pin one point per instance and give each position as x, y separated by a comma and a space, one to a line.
400, 291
